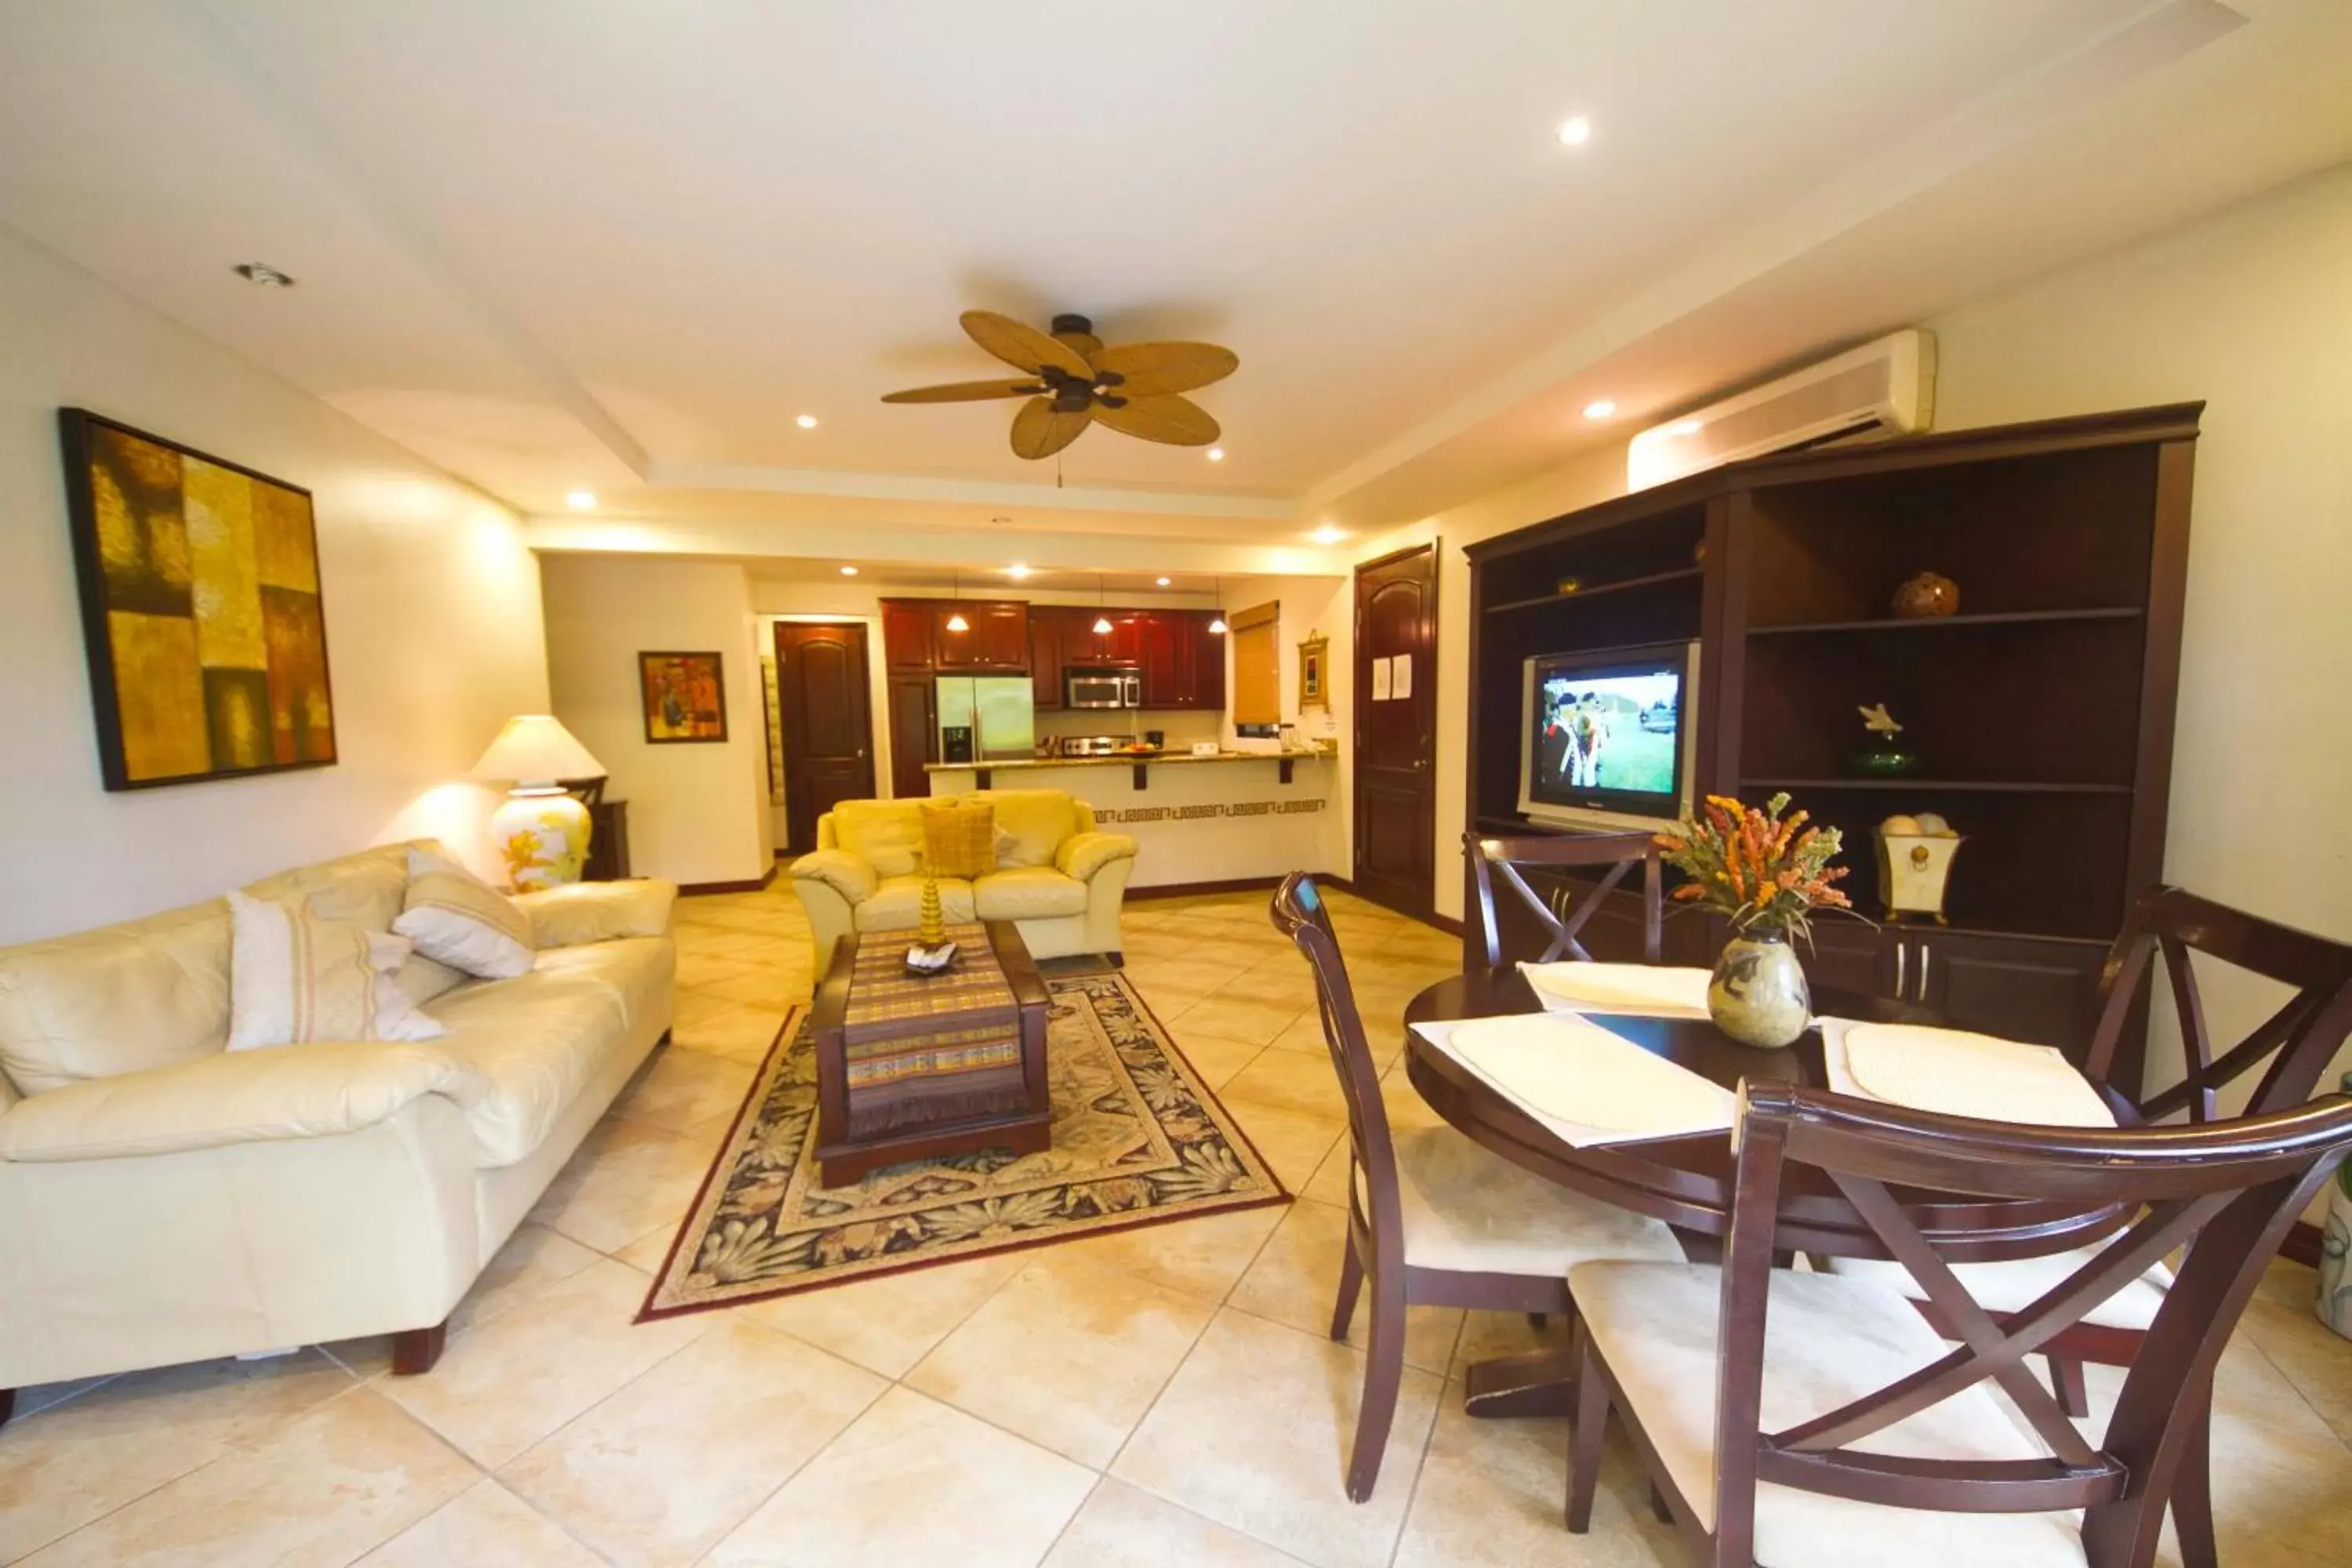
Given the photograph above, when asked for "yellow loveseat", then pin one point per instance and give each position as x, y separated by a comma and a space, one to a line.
1057, 878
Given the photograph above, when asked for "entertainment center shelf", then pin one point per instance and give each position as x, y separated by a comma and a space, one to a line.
2041, 711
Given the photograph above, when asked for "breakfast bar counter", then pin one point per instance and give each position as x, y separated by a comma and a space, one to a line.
1233, 816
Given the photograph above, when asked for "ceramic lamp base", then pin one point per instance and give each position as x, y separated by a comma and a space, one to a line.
541, 837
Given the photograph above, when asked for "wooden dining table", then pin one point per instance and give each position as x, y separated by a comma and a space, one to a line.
1686, 1181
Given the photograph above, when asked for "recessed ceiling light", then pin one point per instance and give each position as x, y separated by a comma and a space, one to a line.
1216, 453
581, 500
1685, 427
806, 421
263, 274
1327, 534
1600, 408
1575, 131
1161, 580
1017, 571
849, 571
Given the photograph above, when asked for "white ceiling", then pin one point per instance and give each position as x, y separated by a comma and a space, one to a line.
620, 246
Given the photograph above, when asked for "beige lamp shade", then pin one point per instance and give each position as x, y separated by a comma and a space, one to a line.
536, 749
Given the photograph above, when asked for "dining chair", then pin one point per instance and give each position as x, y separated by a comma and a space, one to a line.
1817, 1419
1434, 1219
2293, 1046
1559, 913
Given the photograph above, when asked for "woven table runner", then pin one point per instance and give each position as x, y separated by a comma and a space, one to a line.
922, 1048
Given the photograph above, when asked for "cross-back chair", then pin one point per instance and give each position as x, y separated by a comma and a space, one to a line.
2296, 1041
1433, 1219
1560, 915
1767, 1403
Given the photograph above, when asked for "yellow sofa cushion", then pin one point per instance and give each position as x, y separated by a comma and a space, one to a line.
887, 835
959, 837
1031, 823
1028, 893
897, 905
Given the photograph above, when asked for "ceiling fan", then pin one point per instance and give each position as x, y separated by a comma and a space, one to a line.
1072, 380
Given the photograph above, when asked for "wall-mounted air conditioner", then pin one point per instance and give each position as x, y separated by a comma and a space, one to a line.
1882, 388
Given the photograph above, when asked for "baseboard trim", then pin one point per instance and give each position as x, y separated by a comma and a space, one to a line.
1446, 924
748, 885
2302, 1244
1231, 885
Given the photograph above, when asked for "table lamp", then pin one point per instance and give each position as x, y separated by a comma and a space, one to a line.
541, 832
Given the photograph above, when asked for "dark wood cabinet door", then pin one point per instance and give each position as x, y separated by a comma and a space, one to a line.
1847, 955
907, 634
1156, 631
1046, 629
914, 735
828, 722
1127, 638
2022, 988
998, 637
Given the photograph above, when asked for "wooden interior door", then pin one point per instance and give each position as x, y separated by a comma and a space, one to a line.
1396, 736
828, 722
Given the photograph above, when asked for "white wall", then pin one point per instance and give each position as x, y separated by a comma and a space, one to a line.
2252, 312
698, 813
431, 614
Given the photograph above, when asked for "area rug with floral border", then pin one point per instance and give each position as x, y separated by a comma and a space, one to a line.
1138, 1140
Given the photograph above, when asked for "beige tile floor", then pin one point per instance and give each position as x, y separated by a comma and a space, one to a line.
1157, 1397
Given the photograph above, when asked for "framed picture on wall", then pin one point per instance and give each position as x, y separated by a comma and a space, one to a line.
1315, 673
201, 610
684, 696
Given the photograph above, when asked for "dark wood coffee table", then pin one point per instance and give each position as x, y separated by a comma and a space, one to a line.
1018, 1114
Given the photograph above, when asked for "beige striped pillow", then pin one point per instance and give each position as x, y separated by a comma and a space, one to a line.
455, 918
295, 979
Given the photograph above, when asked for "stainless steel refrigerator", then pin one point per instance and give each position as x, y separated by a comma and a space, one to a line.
989, 718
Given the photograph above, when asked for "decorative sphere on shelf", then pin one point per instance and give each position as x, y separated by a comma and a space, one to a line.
1928, 594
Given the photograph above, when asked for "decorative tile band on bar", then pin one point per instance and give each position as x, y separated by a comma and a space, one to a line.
1213, 809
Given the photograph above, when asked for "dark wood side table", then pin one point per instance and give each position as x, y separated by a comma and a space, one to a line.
841, 1159
608, 842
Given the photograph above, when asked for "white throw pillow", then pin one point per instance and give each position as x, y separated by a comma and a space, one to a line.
455, 918
295, 979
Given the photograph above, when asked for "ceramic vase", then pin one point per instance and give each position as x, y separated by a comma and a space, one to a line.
542, 836
2335, 1303
1758, 994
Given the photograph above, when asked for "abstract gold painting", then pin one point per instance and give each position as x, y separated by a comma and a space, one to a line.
201, 610
686, 697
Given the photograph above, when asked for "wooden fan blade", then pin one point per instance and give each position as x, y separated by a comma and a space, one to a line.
964, 392
1040, 429
1024, 347
1154, 370
1177, 421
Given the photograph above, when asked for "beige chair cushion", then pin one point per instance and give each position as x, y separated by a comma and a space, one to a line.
457, 918
1472, 1211
598, 911
1828, 1341
2012, 1287
959, 837
1028, 893
146, 994
897, 904
299, 979
640, 971
887, 835
1083, 854
537, 1041
1031, 823
243, 1097
367, 888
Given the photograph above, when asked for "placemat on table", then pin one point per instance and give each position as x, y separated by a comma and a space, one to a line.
1960, 1073
1587, 1085
1650, 990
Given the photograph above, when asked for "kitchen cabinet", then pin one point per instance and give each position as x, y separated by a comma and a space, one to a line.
914, 733
907, 634
1048, 629
996, 638
2041, 989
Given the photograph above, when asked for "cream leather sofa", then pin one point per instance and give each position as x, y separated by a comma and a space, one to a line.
1057, 879
163, 1200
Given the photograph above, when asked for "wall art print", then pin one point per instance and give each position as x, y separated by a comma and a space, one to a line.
201, 610
685, 697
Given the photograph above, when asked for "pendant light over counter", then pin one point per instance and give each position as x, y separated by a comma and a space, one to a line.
1217, 626
1102, 619
956, 622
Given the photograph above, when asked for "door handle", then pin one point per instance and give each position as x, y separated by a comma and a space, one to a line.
1899, 947
1925, 954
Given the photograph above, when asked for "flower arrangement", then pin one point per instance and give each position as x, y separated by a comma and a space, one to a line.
1766, 871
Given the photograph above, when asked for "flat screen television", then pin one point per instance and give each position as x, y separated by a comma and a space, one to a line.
1604, 736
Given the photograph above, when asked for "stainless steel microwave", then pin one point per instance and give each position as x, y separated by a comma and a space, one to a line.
1102, 688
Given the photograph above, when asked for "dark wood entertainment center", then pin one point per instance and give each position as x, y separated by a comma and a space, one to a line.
2041, 711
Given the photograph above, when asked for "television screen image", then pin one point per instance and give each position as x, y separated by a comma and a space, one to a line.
1606, 732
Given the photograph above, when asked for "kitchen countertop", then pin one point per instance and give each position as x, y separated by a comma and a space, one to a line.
1131, 758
